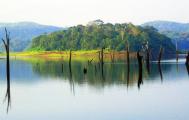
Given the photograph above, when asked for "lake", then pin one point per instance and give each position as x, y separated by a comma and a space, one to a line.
50, 90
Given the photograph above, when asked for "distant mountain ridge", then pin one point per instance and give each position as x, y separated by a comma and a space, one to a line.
168, 26
22, 33
178, 32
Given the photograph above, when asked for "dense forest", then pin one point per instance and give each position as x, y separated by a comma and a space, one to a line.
97, 35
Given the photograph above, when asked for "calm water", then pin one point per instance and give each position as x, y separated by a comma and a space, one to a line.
46, 90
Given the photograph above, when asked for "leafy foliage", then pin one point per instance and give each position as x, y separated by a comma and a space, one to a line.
108, 35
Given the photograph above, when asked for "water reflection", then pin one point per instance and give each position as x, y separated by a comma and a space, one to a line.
187, 67
8, 96
140, 81
160, 72
115, 73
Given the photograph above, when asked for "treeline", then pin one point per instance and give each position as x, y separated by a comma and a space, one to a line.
109, 36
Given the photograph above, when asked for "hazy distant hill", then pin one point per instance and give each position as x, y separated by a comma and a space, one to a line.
176, 31
23, 32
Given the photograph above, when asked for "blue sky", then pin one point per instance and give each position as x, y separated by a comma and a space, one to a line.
73, 12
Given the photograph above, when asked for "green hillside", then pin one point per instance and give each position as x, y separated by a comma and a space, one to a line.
95, 36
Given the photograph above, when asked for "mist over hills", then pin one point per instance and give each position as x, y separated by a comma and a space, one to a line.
178, 32
22, 33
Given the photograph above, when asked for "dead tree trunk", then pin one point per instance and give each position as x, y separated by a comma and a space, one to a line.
177, 52
128, 60
6, 44
187, 63
160, 72
139, 57
70, 59
62, 67
70, 70
102, 62
160, 55
99, 59
148, 60
127, 52
187, 59
177, 55
102, 56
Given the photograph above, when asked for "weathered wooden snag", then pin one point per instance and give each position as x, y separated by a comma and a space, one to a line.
148, 60
70, 59
187, 59
160, 55
187, 63
6, 44
85, 70
139, 57
102, 62
177, 56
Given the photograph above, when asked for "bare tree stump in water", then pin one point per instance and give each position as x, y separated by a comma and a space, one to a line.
187, 63
177, 56
160, 55
139, 57
127, 52
128, 62
148, 60
70, 58
187, 59
102, 56
159, 62
102, 62
85, 70
6, 44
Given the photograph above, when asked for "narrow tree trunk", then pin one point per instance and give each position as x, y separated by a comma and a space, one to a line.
160, 55
187, 59
127, 52
148, 60
6, 44
177, 52
160, 72
102, 62
70, 59
102, 56
62, 67
140, 81
177, 56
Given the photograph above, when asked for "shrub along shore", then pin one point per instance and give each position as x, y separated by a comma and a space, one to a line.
77, 55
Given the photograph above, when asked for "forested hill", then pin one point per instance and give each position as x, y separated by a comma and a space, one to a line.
95, 36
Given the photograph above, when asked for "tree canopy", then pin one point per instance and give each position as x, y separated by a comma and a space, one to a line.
109, 36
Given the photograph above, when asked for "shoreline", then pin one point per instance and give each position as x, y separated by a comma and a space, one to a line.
76, 55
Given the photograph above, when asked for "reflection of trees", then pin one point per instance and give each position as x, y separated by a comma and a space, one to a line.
113, 73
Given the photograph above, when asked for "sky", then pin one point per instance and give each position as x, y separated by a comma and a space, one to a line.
73, 12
